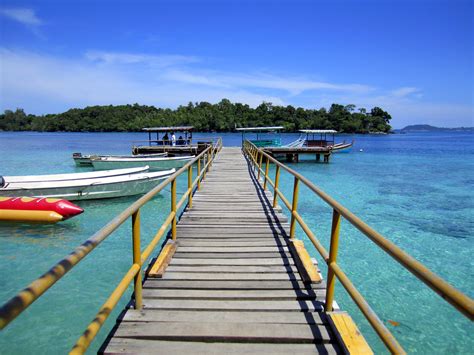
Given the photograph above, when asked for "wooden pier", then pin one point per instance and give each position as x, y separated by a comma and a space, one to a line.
232, 277
233, 281
292, 154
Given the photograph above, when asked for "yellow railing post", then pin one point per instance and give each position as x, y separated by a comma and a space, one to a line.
260, 161
137, 258
267, 164
336, 222
209, 160
173, 208
199, 174
294, 206
277, 179
190, 186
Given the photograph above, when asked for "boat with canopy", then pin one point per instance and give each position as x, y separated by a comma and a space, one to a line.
262, 136
323, 138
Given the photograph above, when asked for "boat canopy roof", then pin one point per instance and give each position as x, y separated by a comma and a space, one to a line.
260, 129
169, 129
323, 131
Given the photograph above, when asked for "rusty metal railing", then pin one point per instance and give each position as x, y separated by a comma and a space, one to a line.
17, 304
258, 157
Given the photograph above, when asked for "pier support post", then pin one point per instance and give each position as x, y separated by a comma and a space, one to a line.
267, 165
173, 208
137, 259
336, 222
277, 180
190, 186
318, 157
294, 206
199, 174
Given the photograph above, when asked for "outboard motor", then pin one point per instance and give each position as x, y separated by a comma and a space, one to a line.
2, 181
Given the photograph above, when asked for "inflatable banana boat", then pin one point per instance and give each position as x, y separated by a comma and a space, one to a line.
36, 210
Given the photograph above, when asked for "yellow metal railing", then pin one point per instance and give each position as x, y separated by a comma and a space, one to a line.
16, 305
460, 301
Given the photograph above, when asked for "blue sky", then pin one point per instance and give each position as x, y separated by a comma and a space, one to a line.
412, 58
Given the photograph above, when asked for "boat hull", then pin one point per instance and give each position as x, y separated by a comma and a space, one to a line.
71, 176
154, 165
130, 185
86, 160
342, 147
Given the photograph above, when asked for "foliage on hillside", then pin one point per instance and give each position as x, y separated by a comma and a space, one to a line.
221, 117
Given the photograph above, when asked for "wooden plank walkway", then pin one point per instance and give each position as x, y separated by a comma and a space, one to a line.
233, 285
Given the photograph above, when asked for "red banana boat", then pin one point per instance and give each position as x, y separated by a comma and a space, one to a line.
38, 210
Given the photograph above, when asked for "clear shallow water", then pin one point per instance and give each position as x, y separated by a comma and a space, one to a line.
415, 189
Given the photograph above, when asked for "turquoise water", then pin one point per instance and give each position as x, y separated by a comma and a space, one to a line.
416, 189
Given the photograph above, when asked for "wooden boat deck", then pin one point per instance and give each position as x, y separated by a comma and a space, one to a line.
236, 283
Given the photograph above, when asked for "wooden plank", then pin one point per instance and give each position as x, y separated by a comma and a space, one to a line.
229, 262
232, 268
235, 305
228, 276
145, 346
348, 334
226, 332
228, 285
308, 271
159, 266
282, 317
232, 249
201, 234
188, 242
233, 255
234, 294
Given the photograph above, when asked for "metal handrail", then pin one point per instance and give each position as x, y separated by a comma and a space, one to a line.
459, 300
17, 304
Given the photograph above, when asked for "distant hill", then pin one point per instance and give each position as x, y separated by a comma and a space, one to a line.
428, 128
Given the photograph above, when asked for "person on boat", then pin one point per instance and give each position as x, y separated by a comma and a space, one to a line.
173, 139
166, 139
180, 141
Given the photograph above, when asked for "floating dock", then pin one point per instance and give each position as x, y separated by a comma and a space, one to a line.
233, 281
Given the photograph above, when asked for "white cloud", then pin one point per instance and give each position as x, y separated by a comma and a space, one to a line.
134, 58
292, 85
23, 15
405, 91
46, 84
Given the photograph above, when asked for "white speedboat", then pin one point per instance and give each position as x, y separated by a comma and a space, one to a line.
155, 163
71, 176
85, 160
339, 147
88, 188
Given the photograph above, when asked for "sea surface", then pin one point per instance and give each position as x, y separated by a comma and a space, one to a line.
415, 189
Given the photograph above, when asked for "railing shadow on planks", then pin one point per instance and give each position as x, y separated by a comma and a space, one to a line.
460, 301
16, 305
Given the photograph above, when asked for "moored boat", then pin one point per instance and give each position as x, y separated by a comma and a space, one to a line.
5, 180
342, 147
36, 210
155, 163
86, 189
85, 160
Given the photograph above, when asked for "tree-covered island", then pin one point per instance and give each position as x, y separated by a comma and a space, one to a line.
224, 116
